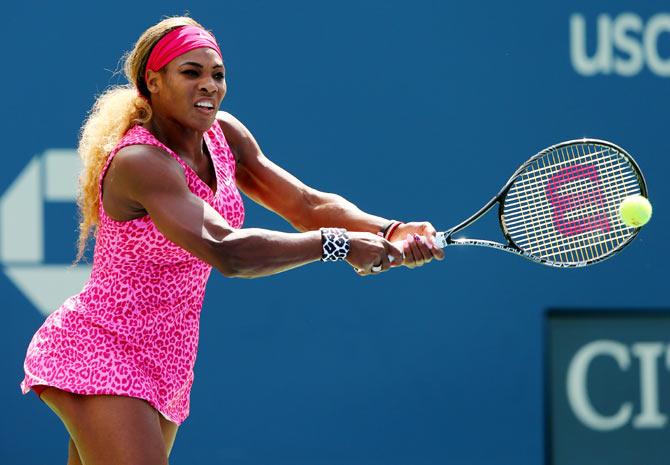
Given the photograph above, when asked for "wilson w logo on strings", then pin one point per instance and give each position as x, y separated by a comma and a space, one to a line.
586, 200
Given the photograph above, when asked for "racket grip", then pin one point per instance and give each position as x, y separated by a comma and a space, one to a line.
441, 240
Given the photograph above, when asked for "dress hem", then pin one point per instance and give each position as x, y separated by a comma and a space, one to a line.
30, 381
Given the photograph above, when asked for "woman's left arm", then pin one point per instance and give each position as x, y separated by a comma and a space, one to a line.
308, 209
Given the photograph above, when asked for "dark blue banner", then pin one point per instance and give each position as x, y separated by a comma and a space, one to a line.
607, 384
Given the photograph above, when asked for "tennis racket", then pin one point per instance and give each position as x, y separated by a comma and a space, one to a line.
561, 207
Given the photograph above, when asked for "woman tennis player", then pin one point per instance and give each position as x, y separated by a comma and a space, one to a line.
160, 184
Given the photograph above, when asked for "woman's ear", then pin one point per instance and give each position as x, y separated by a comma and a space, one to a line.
153, 81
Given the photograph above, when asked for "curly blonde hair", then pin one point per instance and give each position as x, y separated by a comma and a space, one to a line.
115, 111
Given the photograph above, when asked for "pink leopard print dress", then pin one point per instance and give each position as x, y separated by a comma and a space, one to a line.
133, 329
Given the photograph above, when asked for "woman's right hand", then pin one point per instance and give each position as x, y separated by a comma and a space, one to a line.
372, 254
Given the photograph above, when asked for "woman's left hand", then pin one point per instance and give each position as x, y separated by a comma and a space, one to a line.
418, 243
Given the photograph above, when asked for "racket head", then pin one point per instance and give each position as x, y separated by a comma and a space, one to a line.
561, 207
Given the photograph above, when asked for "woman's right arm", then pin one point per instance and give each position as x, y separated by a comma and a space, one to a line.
148, 178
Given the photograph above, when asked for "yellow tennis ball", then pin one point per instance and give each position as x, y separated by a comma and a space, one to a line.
635, 211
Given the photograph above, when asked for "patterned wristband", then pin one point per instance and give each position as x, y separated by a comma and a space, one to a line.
335, 244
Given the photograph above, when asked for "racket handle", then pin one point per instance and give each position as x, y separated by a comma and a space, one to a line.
441, 240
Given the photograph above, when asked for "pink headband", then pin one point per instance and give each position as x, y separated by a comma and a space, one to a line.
177, 42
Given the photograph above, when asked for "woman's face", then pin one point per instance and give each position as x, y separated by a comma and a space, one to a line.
190, 88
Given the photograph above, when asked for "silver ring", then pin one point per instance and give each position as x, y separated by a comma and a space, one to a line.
376, 268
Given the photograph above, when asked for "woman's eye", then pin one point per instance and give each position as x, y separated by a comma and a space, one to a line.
190, 72
219, 76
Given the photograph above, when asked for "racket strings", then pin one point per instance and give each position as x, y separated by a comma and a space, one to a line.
523, 204
564, 206
628, 180
536, 184
533, 197
588, 156
581, 250
583, 247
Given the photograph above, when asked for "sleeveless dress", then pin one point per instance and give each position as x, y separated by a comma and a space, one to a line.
133, 329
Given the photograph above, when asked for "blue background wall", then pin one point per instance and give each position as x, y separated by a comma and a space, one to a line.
429, 106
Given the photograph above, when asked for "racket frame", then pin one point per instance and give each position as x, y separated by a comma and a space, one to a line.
445, 238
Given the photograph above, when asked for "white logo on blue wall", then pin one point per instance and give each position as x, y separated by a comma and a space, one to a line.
648, 355
49, 177
623, 44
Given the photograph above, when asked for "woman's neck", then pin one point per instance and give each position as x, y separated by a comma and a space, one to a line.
183, 141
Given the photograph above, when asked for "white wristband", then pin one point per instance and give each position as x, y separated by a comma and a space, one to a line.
335, 243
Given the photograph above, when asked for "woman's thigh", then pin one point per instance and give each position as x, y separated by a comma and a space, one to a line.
169, 430
73, 454
110, 429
